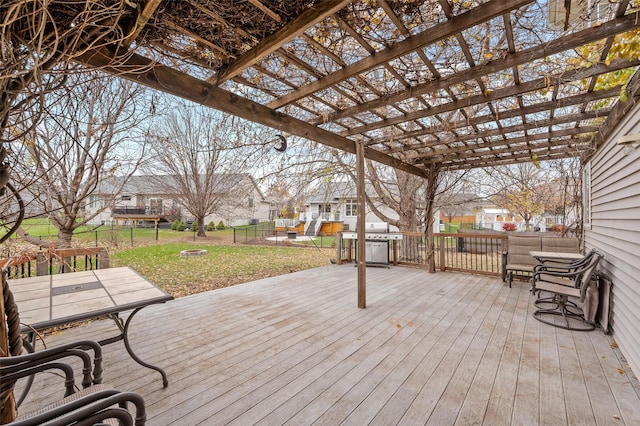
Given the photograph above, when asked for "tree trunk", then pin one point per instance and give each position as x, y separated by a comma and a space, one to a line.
64, 237
201, 227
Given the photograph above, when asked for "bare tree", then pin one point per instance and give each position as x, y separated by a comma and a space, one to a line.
565, 189
201, 157
517, 188
87, 134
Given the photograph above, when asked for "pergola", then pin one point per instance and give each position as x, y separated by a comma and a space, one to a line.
423, 86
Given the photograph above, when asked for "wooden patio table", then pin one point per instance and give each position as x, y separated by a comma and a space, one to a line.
60, 299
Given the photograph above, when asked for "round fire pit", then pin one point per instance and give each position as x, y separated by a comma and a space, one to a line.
193, 252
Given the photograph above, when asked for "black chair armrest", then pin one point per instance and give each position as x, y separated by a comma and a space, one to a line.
98, 405
556, 273
9, 378
77, 349
504, 266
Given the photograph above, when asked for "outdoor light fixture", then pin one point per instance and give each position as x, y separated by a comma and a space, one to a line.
282, 141
630, 142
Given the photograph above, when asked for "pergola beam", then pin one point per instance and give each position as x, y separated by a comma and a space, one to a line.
149, 73
529, 125
441, 154
307, 19
453, 106
462, 22
613, 27
515, 90
564, 119
545, 152
146, 14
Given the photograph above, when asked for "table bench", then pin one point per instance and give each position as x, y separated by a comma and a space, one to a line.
517, 260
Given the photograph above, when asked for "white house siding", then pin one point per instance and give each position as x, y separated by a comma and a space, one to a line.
615, 230
237, 216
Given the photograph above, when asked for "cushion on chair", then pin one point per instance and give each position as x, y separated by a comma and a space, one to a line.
520, 267
519, 248
561, 245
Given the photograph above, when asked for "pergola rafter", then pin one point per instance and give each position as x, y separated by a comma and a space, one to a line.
441, 31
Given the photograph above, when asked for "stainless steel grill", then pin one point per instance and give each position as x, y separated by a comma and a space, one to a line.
377, 237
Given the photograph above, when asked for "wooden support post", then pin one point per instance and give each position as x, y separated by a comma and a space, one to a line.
361, 247
42, 264
103, 259
442, 248
394, 244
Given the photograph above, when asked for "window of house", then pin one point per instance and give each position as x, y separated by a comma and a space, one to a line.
125, 197
250, 202
351, 207
586, 194
95, 202
155, 206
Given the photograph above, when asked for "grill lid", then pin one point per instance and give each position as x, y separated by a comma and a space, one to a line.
380, 227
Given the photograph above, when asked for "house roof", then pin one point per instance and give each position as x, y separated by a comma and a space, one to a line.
420, 84
330, 192
157, 184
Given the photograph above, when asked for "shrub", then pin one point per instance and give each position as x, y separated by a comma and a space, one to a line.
211, 226
221, 225
559, 228
174, 225
194, 227
508, 226
181, 226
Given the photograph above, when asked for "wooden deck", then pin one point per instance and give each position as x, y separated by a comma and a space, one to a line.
438, 349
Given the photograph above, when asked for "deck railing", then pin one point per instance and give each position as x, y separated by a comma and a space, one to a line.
478, 253
20, 266
56, 262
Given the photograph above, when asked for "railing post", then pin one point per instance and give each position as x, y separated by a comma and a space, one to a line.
441, 242
339, 248
103, 259
41, 264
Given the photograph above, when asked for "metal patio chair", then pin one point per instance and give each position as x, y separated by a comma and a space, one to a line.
563, 283
94, 404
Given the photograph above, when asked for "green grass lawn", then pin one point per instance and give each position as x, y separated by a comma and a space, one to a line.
114, 235
159, 260
222, 266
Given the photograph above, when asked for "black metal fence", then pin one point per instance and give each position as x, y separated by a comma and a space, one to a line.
477, 253
267, 233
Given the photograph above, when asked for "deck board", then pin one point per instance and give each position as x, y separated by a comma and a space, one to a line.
443, 348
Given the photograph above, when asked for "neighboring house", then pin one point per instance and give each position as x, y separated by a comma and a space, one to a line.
461, 209
337, 201
143, 202
494, 217
612, 223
